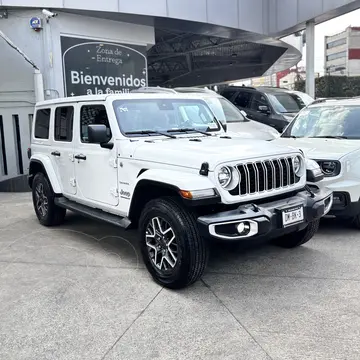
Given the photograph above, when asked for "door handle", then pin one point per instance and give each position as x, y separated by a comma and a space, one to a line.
55, 153
80, 157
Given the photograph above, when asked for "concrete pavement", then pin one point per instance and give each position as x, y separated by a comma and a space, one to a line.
80, 291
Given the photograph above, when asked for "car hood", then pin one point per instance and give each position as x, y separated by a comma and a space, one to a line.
214, 150
321, 149
252, 130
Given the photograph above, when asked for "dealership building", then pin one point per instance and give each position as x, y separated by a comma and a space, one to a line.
56, 48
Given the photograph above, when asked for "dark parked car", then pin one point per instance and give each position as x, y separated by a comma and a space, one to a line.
268, 105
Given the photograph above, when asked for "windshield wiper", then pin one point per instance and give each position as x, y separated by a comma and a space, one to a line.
149, 132
290, 136
330, 137
189, 129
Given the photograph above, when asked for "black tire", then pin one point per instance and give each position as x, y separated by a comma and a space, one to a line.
355, 222
191, 249
51, 214
298, 238
350, 222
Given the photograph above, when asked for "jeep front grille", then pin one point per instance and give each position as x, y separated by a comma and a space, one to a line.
265, 175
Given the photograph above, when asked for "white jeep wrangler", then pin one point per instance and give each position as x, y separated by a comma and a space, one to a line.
163, 163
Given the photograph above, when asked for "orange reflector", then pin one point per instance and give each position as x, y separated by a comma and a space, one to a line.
186, 194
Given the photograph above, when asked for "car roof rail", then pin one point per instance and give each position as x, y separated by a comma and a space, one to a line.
154, 90
239, 87
318, 101
273, 87
194, 89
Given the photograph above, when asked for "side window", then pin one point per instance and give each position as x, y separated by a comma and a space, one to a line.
42, 124
63, 130
259, 100
243, 99
93, 115
228, 94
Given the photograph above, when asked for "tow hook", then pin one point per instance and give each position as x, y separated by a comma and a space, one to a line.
253, 207
307, 187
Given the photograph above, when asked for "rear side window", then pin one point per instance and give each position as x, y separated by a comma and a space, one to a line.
42, 124
243, 99
63, 130
228, 94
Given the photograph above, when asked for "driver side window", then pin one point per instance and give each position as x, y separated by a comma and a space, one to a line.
93, 115
258, 100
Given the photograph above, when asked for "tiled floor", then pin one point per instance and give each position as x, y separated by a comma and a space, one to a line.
81, 292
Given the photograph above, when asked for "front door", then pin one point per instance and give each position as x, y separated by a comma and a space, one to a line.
62, 155
259, 100
95, 167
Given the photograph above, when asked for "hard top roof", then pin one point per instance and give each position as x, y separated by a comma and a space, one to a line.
104, 97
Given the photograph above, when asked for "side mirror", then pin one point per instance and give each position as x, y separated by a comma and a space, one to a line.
264, 109
97, 134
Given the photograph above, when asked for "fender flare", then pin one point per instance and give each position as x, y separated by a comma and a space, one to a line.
45, 162
176, 180
168, 180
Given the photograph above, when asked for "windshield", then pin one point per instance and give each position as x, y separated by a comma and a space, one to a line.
135, 115
286, 102
225, 111
326, 121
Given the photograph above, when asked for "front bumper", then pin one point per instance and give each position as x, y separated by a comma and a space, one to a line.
343, 206
266, 220
346, 196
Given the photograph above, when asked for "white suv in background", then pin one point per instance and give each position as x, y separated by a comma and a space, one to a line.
163, 164
235, 121
328, 131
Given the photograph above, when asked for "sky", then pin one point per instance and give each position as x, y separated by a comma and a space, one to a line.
330, 27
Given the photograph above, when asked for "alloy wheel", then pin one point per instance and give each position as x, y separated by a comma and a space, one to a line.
161, 244
42, 203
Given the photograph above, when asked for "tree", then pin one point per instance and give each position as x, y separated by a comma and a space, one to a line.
333, 86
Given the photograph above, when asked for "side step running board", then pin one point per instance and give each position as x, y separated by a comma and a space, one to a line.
90, 212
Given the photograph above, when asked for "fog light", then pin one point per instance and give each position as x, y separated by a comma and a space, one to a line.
234, 230
243, 228
339, 199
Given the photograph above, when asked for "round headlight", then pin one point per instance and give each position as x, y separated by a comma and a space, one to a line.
329, 167
228, 177
297, 165
224, 176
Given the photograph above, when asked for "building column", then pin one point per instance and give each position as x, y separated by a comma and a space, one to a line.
310, 58
39, 86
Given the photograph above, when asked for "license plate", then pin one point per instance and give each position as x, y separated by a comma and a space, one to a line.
293, 216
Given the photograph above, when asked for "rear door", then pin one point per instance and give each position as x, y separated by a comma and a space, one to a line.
62, 154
